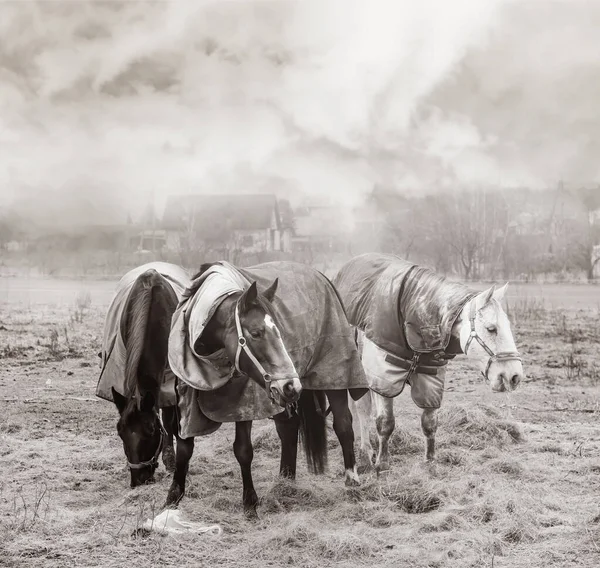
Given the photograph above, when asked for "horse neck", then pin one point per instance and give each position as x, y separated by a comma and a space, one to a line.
462, 319
221, 326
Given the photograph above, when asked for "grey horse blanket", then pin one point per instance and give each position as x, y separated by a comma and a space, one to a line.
113, 349
313, 326
404, 314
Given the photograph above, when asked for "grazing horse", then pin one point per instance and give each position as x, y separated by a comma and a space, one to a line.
294, 344
410, 323
135, 373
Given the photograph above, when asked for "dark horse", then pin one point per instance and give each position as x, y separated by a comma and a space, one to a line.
245, 326
143, 319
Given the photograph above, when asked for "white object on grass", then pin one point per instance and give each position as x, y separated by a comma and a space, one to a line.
171, 521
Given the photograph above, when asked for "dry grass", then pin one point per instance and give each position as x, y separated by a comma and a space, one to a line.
513, 485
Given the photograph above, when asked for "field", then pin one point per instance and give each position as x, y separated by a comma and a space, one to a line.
516, 482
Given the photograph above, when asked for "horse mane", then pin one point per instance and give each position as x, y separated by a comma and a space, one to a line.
451, 291
195, 286
138, 311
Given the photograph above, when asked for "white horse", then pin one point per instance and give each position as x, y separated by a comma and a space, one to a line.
484, 334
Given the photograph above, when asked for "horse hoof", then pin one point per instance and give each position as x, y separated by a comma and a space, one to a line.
251, 514
173, 499
365, 462
382, 468
350, 482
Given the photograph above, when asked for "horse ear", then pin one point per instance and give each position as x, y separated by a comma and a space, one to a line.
119, 399
499, 293
249, 296
147, 402
269, 293
485, 297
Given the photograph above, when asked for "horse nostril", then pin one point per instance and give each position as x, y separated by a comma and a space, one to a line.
515, 380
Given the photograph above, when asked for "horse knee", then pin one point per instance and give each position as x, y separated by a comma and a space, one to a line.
342, 424
385, 425
183, 455
243, 451
168, 458
429, 423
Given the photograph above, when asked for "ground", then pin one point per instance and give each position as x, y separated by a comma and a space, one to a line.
516, 482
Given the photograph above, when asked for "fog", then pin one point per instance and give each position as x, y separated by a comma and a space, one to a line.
103, 104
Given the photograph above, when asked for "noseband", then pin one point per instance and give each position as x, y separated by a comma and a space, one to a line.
153, 461
502, 356
243, 346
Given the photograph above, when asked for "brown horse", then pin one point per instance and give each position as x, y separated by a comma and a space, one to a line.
287, 340
135, 366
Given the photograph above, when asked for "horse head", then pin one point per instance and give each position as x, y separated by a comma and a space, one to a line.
142, 434
259, 351
486, 337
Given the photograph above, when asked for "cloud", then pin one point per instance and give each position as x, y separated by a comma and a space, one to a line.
124, 98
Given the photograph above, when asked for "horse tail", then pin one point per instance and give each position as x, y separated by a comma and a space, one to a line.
313, 429
137, 325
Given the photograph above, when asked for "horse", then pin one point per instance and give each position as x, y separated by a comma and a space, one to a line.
410, 322
284, 341
135, 373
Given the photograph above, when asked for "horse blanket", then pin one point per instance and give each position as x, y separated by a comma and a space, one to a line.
112, 363
313, 326
404, 314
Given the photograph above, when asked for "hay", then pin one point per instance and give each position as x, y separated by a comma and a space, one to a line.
477, 427
415, 494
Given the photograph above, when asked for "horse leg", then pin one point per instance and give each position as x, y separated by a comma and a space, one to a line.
342, 426
429, 424
363, 408
169, 416
244, 453
287, 430
385, 423
185, 449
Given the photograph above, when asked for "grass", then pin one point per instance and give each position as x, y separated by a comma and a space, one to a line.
513, 484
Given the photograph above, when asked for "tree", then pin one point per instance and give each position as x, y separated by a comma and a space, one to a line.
587, 232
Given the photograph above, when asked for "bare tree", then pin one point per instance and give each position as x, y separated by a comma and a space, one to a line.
587, 232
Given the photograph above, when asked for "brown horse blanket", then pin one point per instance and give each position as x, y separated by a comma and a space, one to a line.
313, 326
112, 363
405, 315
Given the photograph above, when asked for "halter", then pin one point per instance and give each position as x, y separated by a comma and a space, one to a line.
243, 346
153, 461
502, 356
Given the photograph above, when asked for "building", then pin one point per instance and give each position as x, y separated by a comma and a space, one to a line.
247, 224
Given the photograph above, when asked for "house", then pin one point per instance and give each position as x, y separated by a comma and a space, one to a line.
248, 224
149, 240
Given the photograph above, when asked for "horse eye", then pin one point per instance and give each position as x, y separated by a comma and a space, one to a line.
492, 328
256, 334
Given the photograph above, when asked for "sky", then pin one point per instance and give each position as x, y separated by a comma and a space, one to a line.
106, 105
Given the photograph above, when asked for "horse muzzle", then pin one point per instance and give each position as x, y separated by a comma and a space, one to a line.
143, 476
508, 378
284, 390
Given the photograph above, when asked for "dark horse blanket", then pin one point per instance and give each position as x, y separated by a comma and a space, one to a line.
112, 363
405, 314
313, 326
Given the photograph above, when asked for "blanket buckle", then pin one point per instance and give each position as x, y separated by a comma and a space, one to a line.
414, 363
